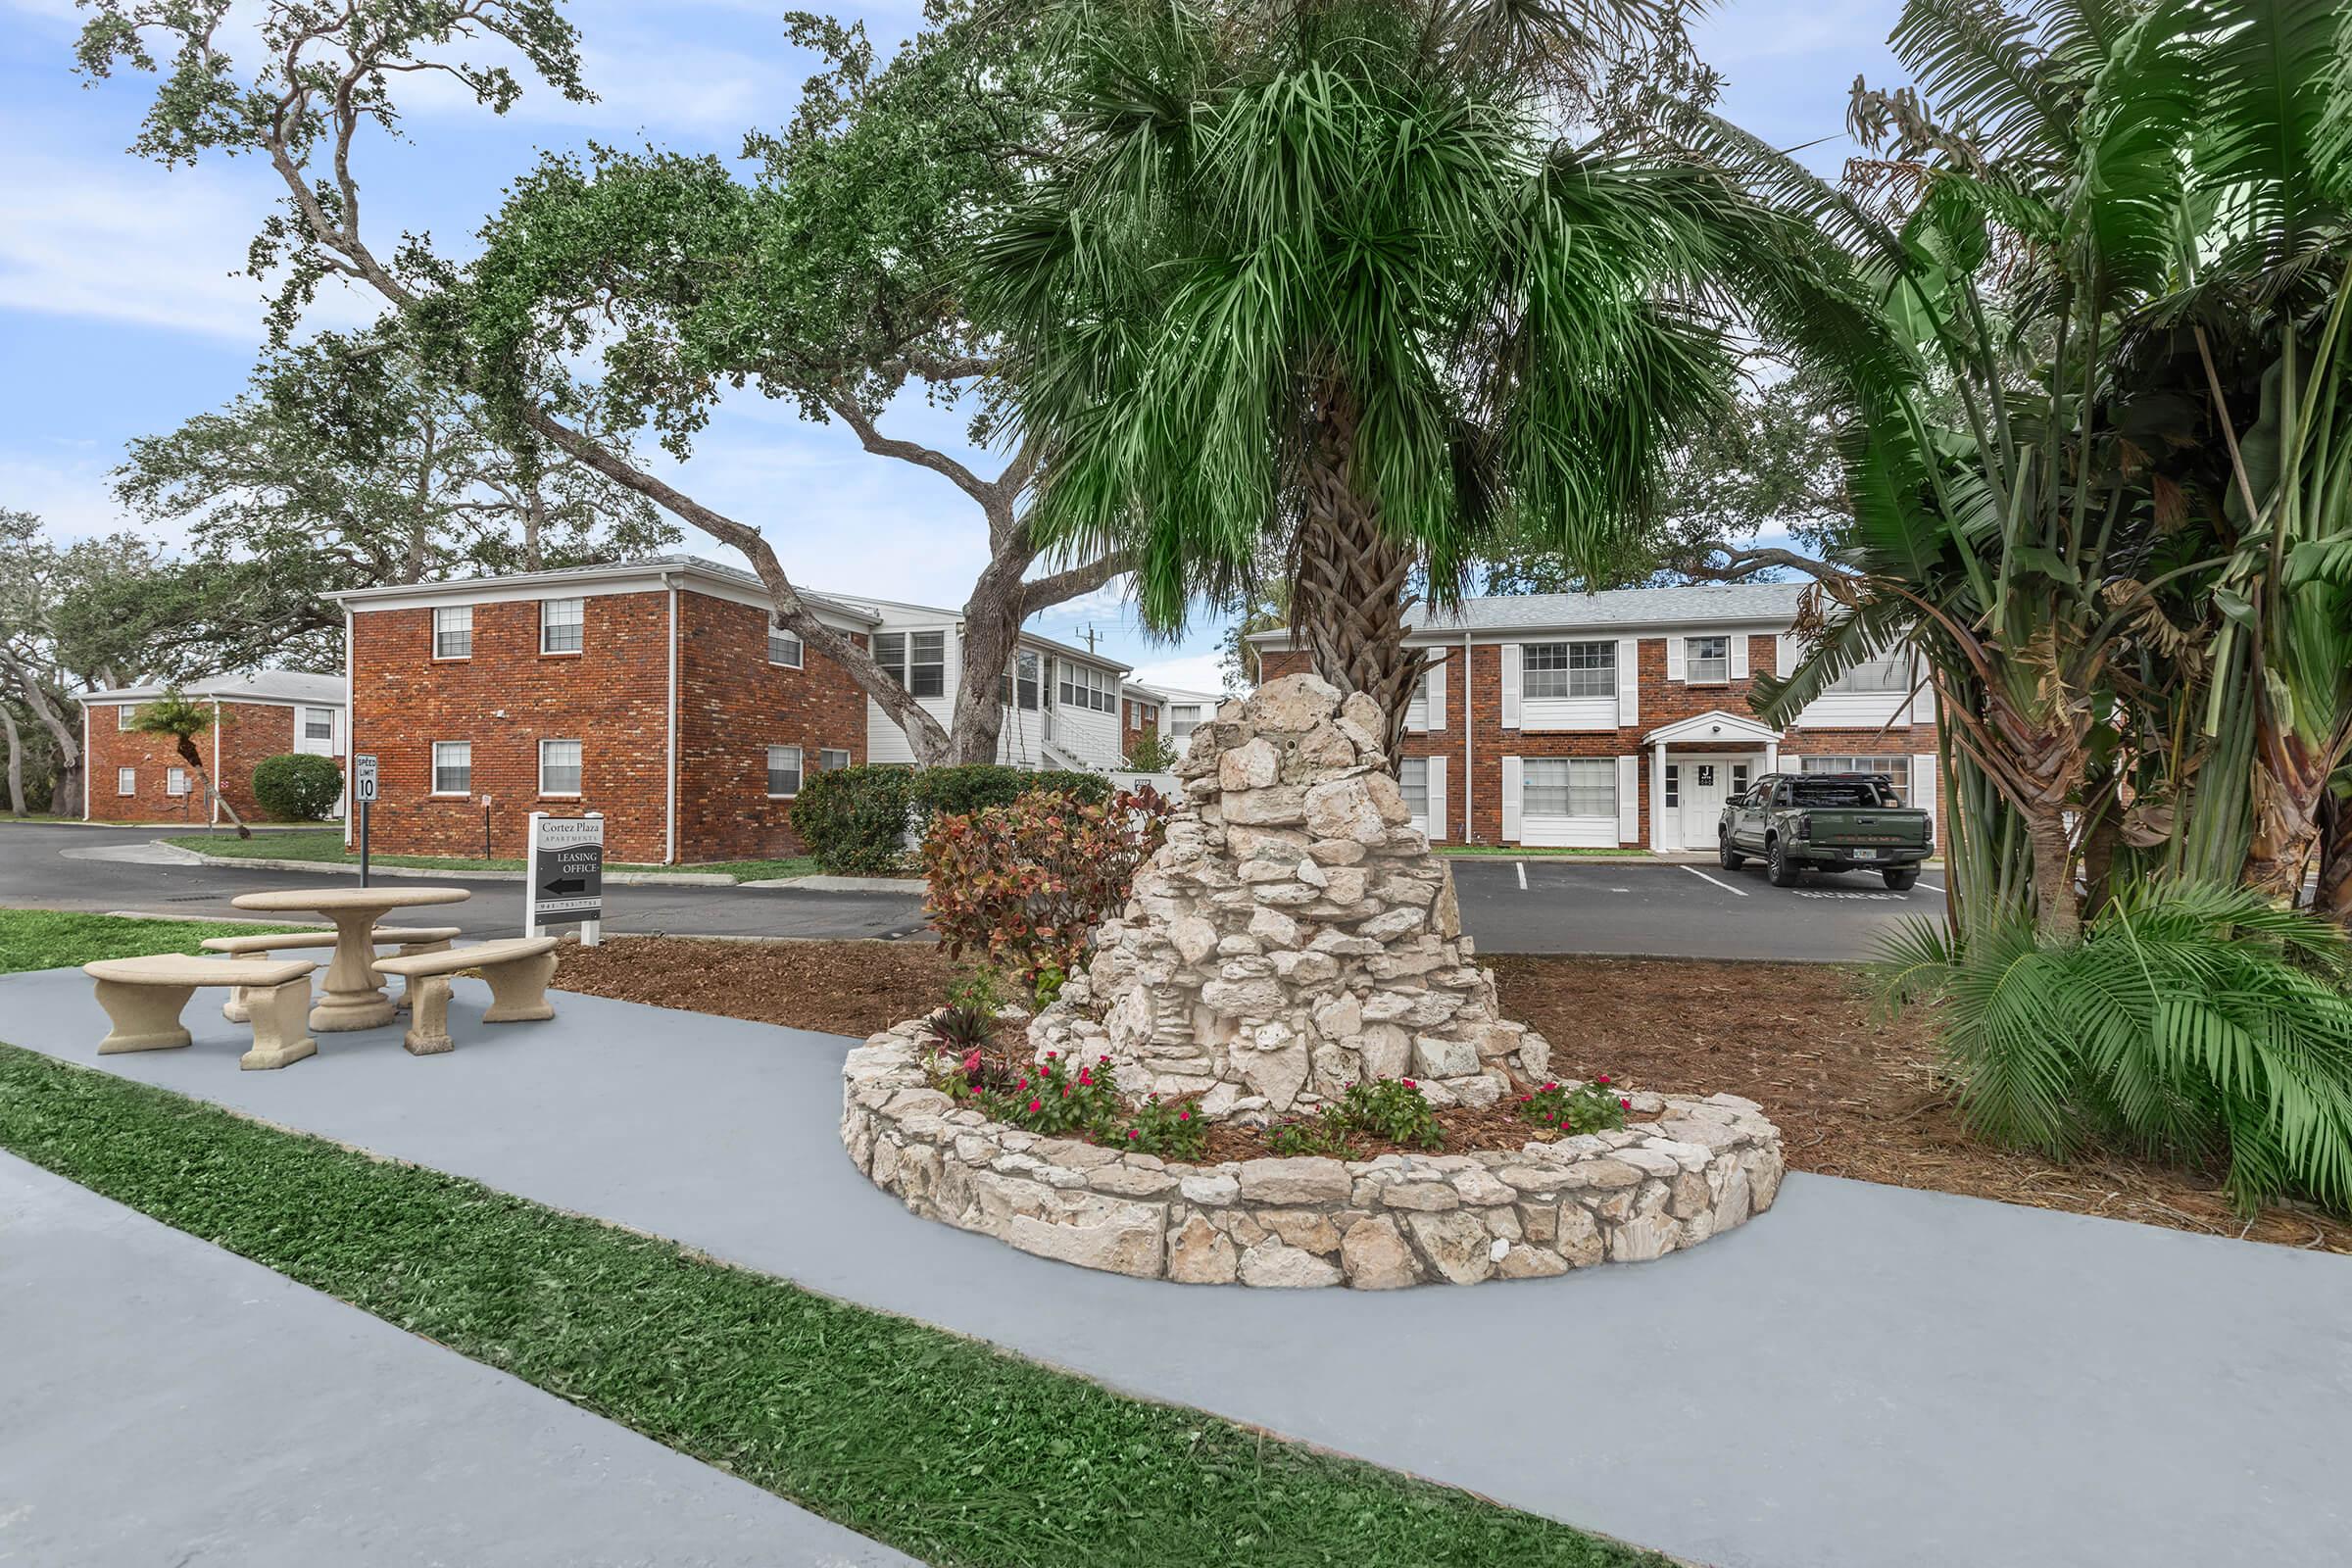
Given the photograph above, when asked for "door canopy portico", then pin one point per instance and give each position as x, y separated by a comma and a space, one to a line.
1715, 727
1715, 730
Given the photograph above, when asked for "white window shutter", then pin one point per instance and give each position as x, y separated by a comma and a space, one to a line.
1511, 795
1628, 681
1738, 656
1629, 800
1510, 687
1437, 696
1923, 784
1439, 828
1786, 650
1676, 664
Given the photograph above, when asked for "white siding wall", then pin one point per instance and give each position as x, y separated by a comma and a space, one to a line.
1089, 738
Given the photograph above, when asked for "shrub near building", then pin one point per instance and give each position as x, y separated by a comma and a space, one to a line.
857, 821
297, 787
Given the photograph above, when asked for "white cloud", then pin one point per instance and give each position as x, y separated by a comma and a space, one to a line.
127, 241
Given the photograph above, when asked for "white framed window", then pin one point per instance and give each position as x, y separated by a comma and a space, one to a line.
1707, 662
126, 716
175, 781
453, 632
783, 771
453, 768
1568, 669
1890, 673
832, 760
1674, 783
1084, 686
1739, 778
127, 781
1023, 683
562, 626
919, 660
1412, 780
1895, 771
318, 724
1569, 786
784, 648
559, 768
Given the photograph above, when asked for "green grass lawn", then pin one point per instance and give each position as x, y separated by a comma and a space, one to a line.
937, 1445
326, 847
51, 938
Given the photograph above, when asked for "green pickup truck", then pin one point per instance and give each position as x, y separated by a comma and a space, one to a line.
1797, 823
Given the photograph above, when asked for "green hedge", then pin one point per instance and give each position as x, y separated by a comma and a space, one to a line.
855, 822
298, 787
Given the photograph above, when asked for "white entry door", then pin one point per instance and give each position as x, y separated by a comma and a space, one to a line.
1706, 783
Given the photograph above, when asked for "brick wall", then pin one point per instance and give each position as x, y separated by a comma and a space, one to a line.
248, 733
733, 705
1662, 701
1131, 730
612, 697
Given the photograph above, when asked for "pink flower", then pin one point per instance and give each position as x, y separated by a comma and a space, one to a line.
1105, 1060
1183, 1116
1050, 1055
1132, 1133
1414, 1087
1548, 1088
1037, 1105
1604, 1078
1023, 1084
1625, 1105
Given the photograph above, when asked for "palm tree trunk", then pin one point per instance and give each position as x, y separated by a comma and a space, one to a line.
195, 760
2332, 898
2057, 917
1348, 578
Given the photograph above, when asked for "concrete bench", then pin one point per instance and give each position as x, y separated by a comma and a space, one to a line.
517, 969
412, 939
143, 998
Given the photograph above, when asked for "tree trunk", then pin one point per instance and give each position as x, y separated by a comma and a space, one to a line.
61, 734
534, 514
1347, 579
2057, 917
195, 760
15, 761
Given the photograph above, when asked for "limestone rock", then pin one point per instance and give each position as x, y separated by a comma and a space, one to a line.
1456, 1245
1278, 1266
1376, 1257
1200, 1253
1304, 1180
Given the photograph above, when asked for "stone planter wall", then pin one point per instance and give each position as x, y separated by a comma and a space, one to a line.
1704, 1166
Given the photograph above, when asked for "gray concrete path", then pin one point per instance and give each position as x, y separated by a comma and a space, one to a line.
1864, 1377
165, 1403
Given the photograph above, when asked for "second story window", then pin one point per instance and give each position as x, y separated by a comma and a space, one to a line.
126, 716
917, 659
452, 632
1889, 672
1023, 683
1569, 670
784, 648
1084, 686
1708, 661
562, 626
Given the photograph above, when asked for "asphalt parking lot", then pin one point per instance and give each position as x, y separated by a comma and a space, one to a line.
1535, 905
1543, 905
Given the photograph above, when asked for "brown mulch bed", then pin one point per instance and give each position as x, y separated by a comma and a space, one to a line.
1853, 1094
1467, 1131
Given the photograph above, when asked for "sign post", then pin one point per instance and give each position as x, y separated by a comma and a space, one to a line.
564, 880
363, 793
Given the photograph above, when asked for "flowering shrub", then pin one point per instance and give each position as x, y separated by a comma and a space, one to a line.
1024, 885
1586, 1109
1170, 1129
1052, 1097
1387, 1107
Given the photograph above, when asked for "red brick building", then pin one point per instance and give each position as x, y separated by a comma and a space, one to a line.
1622, 719
655, 692
131, 776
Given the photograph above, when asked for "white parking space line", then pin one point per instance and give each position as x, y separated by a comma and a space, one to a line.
1522, 867
1938, 886
1736, 893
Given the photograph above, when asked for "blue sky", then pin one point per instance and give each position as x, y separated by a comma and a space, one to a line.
119, 317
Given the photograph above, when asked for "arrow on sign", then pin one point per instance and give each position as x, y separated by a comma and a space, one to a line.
563, 887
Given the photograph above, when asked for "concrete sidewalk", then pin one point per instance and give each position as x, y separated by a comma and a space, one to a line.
164, 1401
1866, 1377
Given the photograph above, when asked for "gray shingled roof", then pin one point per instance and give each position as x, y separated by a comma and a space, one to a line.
283, 685
1690, 606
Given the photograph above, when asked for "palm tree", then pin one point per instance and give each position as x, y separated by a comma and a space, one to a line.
184, 719
2113, 521
1319, 277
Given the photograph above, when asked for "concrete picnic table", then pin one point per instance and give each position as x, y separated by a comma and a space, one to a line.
352, 999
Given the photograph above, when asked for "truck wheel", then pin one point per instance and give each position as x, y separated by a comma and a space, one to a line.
1782, 871
1899, 880
1730, 859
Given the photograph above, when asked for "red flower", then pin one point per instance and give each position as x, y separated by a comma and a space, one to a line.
1414, 1087
1050, 1055
1603, 1078
1132, 1133
1105, 1060
1037, 1105
1183, 1116
1625, 1105
1023, 1084
1548, 1088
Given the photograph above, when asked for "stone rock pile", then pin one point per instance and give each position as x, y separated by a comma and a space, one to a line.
1293, 935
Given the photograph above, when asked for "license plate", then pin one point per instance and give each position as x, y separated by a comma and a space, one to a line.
1864, 855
